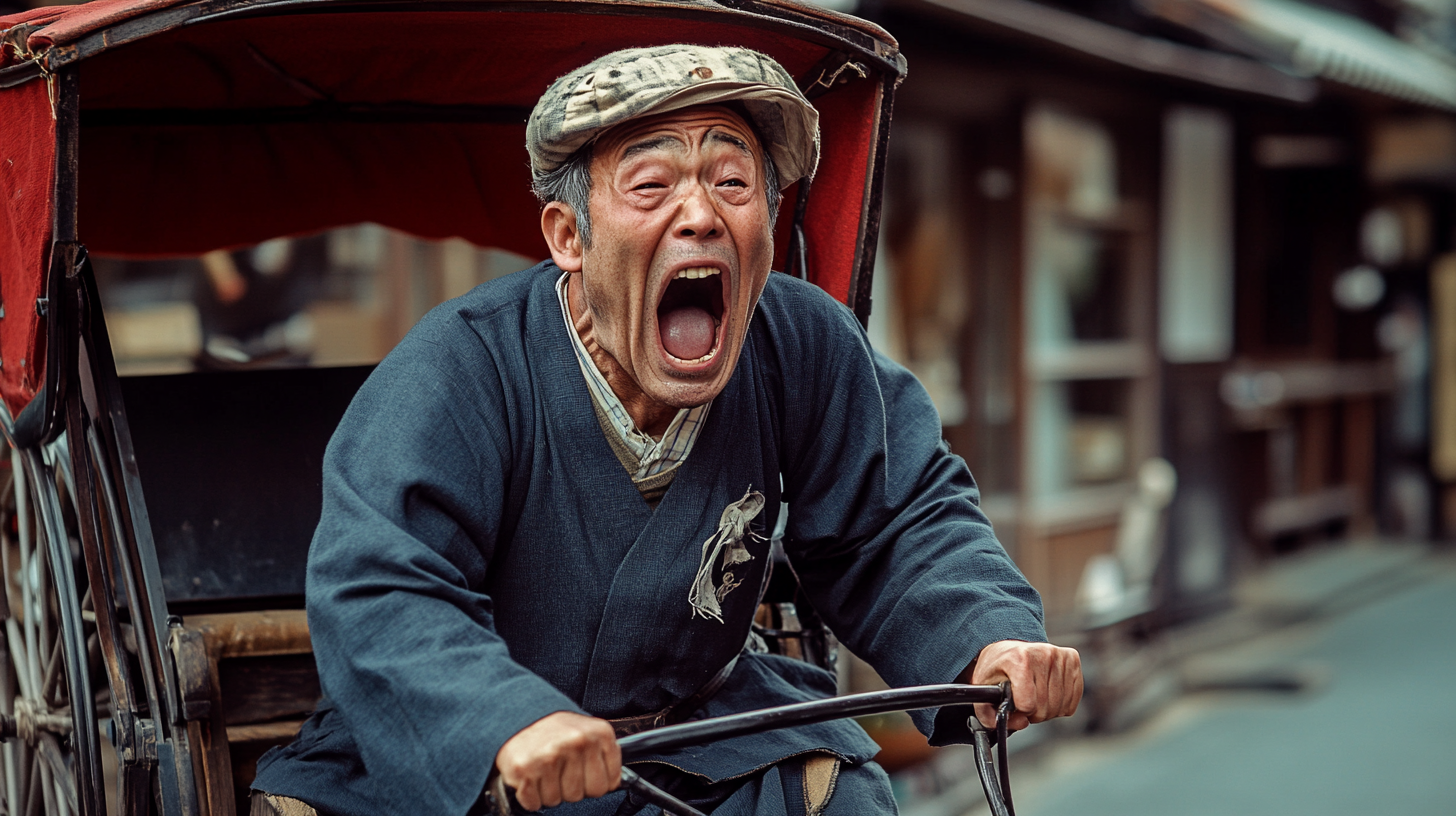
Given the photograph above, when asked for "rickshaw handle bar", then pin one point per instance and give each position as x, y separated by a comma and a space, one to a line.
671, 737
854, 705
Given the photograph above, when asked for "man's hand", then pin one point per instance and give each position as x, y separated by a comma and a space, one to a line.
563, 757
1046, 680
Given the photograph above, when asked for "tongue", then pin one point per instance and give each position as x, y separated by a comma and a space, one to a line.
687, 332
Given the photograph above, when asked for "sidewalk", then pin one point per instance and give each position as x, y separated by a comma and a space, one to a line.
1259, 653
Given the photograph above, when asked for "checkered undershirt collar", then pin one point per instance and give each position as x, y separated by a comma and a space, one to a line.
655, 456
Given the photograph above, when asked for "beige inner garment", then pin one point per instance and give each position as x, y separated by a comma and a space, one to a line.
270, 805
821, 771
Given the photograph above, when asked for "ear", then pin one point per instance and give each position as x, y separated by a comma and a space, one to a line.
558, 226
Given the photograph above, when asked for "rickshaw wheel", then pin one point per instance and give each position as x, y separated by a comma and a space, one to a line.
51, 765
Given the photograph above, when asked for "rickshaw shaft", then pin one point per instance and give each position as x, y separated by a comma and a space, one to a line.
671, 737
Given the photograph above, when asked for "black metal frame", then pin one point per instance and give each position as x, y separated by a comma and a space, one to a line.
682, 735
994, 772
864, 268
148, 726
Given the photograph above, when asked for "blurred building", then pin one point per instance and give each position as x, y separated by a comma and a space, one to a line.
1195, 229
1216, 232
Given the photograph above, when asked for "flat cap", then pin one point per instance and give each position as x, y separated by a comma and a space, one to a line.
636, 82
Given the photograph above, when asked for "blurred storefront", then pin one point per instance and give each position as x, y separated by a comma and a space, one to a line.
1190, 229
1206, 232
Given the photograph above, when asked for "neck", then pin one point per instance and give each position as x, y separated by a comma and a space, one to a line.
650, 416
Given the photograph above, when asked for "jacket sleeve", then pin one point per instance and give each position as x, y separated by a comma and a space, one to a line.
885, 529
413, 495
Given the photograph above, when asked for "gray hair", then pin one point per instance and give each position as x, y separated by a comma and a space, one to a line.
571, 185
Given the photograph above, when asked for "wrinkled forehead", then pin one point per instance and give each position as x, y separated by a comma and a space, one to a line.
709, 125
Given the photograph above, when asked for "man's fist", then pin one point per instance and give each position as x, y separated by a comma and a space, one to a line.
563, 757
1046, 680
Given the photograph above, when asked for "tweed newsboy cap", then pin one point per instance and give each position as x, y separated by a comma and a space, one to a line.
636, 82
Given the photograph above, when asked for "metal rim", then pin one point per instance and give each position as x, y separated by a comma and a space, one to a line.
52, 764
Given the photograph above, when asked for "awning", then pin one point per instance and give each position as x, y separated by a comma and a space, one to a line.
1318, 42
1119, 46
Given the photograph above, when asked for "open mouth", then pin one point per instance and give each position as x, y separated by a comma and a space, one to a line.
690, 313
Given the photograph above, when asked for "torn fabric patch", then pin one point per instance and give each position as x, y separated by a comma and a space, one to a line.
730, 540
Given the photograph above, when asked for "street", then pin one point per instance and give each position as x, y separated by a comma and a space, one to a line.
1373, 731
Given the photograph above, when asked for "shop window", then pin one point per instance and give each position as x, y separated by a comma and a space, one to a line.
1086, 352
1077, 244
1084, 437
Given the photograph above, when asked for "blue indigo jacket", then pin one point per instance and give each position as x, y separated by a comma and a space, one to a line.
483, 560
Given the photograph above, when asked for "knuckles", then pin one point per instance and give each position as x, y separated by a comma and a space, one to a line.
1027, 658
544, 752
1038, 672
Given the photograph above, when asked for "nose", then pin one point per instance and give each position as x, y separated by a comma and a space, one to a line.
696, 215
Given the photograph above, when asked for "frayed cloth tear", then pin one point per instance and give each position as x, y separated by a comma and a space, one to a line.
731, 539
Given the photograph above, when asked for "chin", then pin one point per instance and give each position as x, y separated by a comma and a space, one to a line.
686, 394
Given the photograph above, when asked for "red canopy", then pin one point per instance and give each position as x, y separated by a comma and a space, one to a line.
248, 124
27, 174
60, 25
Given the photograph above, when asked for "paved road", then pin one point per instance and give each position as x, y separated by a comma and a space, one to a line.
1378, 736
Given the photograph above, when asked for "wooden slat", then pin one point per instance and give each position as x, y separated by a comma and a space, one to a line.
254, 634
259, 689
265, 732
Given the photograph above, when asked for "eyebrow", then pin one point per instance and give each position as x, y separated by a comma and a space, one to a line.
658, 142
648, 144
729, 138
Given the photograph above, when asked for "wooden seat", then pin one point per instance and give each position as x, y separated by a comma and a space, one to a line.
247, 681
232, 467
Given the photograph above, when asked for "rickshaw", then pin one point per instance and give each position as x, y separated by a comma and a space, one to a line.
155, 528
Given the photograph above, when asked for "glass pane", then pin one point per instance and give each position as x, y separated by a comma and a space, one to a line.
1072, 164
1077, 285
342, 297
1080, 434
1078, 243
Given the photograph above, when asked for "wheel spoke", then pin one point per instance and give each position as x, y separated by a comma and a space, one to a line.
12, 761
26, 665
52, 673
50, 749
47, 784
44, 618
36, 787
17, 656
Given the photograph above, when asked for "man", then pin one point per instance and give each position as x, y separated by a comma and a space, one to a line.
545, 514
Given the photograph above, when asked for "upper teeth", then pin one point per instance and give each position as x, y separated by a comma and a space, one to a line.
697, 272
